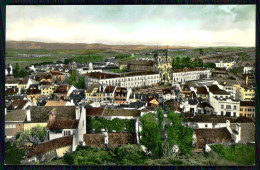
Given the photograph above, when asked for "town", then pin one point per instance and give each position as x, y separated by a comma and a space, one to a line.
157, 106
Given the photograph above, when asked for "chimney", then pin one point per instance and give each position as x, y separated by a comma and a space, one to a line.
19, 90
28, 115
5, 111
246, 80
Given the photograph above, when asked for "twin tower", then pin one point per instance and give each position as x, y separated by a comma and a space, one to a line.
163, 66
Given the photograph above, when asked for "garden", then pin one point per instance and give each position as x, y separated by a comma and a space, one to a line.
116, 124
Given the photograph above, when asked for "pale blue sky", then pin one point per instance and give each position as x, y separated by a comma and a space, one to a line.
197, 25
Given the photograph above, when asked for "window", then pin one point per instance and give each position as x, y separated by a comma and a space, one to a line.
235, 107
235, 114
241, 109
222, 113
206, 125
228, 107
222, 106
66, 133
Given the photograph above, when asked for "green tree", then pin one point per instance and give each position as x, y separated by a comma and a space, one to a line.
72, 78
186, 62
151, 137
81, 83
210, 65
13, 155
177, 63
160, 117
201, 51
197, 62
178, 134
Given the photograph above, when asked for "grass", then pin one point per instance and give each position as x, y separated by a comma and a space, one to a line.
118, 70
239, 153
237, 70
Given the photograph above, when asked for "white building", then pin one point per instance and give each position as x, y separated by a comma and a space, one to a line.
249, 70
225, 106
190, 74
225, 64
133, 79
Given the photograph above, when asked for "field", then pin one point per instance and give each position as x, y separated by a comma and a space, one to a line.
61, 55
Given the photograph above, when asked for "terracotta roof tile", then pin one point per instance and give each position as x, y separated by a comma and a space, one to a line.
63, 124
50, 145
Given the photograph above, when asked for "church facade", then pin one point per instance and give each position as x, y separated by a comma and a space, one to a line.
163, 66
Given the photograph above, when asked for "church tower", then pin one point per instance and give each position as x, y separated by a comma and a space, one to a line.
163, 66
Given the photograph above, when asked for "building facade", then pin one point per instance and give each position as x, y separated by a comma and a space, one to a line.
190, 74
163, 66
131, 80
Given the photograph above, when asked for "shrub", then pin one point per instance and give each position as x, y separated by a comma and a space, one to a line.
240, 153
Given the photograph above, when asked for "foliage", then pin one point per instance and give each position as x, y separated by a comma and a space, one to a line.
178, 134
240, 153
117, 124
84, 59
128, 155
13, 155
197, 62
81, 83
160, 117
73, 80
201, 51
151, 138
30, 135
236, 70
243, 56
125, 155
210, 65
19, 73
185, 62
118, 70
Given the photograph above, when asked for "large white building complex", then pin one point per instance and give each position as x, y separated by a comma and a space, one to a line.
190, 74
133, 79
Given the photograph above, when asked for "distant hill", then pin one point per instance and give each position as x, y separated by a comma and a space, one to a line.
80, 46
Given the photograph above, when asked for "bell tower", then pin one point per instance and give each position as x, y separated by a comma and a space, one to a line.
163, 66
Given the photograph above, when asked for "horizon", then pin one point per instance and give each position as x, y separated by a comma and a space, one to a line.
182, 25
128, 44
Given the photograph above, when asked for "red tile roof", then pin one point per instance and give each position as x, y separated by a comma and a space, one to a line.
50, 145
208, 136
62, 124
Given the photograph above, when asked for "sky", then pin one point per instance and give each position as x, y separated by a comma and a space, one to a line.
173, 25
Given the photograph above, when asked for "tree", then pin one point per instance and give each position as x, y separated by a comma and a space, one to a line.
210, 65
13, 155
178, 134
177, 63
186, 62
72, 78
198, 62
81, 83
201, 51
160, 117
151, 137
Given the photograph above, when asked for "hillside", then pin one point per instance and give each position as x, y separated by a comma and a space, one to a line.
80, 46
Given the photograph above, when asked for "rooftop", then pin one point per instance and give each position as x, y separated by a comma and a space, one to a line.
17, 115
188, 69
208, 136
17, 104
50, 145
63, 124
41, 113
55, 103
247, 103
100, 75
216, 90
